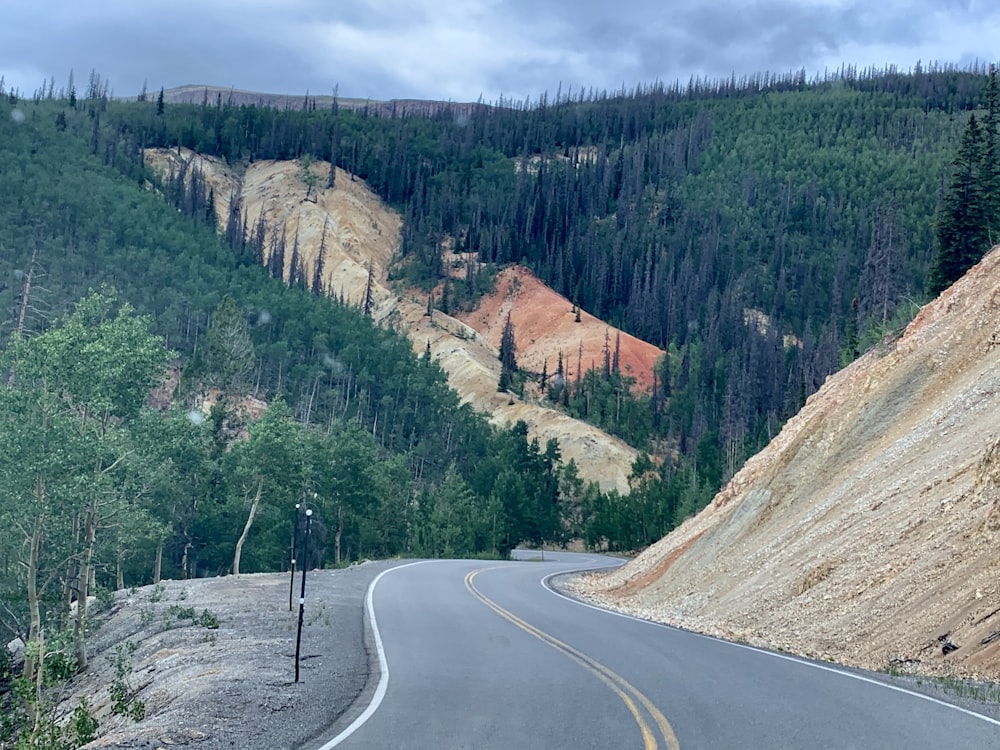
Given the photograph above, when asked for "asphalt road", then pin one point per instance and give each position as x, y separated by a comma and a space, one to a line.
486, 655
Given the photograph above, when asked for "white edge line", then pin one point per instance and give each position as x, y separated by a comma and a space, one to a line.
545, 584
383, 665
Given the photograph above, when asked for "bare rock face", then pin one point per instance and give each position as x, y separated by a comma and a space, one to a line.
867, 531
547, 325
360, 237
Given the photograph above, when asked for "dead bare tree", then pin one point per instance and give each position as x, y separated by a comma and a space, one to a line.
27, 314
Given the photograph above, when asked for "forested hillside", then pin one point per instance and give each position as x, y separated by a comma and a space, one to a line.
102, 488
763, 231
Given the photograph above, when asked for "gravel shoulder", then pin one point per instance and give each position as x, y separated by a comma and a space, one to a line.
232, 686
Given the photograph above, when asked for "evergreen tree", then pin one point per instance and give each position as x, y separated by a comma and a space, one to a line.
508, 360
296, 271
445, 302
331, 180
991, 157
962, 233
317, 277
366, 307
606, 354
276, 256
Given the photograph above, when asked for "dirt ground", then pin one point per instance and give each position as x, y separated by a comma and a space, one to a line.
232, 685
868, 531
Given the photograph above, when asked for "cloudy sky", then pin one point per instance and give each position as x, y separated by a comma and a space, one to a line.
464, 49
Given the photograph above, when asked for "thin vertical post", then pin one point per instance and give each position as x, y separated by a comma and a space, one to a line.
295, 531
302, 594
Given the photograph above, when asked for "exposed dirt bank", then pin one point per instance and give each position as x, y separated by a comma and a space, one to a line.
868, 531
545, 326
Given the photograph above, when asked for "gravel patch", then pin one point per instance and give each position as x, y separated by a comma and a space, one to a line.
233, 686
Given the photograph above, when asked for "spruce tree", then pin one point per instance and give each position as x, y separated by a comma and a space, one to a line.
962, 233
318, 270
508, 359
991, 158
331, 180
445, 302
366, 306
295, 263
276, 256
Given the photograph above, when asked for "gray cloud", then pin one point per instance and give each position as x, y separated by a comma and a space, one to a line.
461, 49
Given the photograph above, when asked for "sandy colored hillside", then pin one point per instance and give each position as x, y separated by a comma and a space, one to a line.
358, 231
868, 531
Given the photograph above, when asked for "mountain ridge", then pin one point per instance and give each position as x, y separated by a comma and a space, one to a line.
209, 94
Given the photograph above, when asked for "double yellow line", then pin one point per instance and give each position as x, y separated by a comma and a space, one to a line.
629, 695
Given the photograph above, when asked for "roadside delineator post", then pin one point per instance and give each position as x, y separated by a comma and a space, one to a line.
302, 593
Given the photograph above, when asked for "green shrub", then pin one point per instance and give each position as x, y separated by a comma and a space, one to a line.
208, 620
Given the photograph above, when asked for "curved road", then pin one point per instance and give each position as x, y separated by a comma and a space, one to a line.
485, 655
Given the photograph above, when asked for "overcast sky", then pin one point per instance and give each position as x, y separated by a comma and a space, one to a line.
464, 49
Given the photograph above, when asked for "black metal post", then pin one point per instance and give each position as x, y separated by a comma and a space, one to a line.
295, 533
302, 594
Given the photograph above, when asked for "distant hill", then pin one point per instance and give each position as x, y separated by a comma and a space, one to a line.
761, 232
218, 95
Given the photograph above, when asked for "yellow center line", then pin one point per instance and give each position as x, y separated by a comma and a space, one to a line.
621, 687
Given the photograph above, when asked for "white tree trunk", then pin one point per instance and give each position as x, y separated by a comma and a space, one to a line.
35, 615
338, 535
86, 571
246, 527
157, 566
